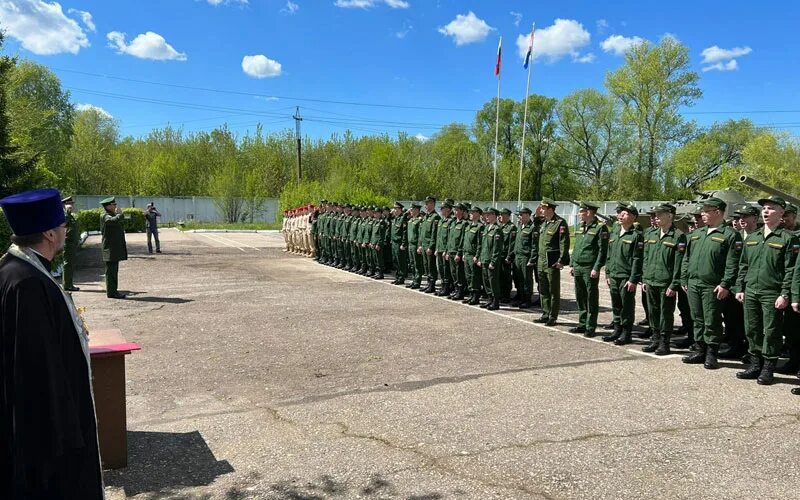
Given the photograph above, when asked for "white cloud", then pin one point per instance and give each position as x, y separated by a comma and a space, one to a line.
145, 46
563, 38
226, 2
366, 4
92, 107
731, 65
42, 27
86, 17
290, 8
715, 54
602, 26
467, 29
259, 66
268, 98
619, 45
517, 17
588, 58
421, 138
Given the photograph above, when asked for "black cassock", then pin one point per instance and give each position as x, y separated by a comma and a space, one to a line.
48, 440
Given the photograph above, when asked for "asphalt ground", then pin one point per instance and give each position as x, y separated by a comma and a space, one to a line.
266, 375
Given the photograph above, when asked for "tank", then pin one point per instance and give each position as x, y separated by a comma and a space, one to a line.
760, 186
685, 208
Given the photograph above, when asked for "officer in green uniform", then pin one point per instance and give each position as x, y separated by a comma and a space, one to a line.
490, 257
113, 243
350, 241
314, 221
708, 274
645, 322
414, 250
553, 255
427, 243
322, 231
344, 234
455, 254
70, 245
791, 320
509, 230
588, 258
764, 285
471, 250
624, 271
522, 258
399, 237
795, 295
376, 243
440, 250
664, 247
388, 258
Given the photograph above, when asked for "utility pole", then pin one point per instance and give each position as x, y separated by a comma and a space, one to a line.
297, 120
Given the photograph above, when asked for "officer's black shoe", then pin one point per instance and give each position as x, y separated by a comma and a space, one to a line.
646, 334
663, 346
654, 343
767, 372
76, 289
796, 391
577, 329
644, 322
495, 305
613, 336
468, 299
430, 289
697, 357
543, 319
711, 362
550, 322
753, 371
400, 282
475, 300
116, 296
459, 294
524, 305
625, 338
590, 334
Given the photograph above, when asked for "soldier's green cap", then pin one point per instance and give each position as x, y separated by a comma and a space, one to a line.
108, 201
68, 199
414, 204
714, 202
773, 199
399, 205
385, 208
746, 210
451, 201
430, 199
505, 211
547, 202
791, 208
460, 206
664, 207
628, 207
585, 205
491, 210
467, 204
524, 210
447, 204
650, 211
476, 208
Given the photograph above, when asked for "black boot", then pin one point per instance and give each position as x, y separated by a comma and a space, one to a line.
754, 370
495, 305
734, 351
475, 300
663, 346
613, 336
488, 302
577, 329
711, 362
542, 319
655, 341
793, 365
458, 294
767, 372
796, 391
467, 300
626, 337
696, 357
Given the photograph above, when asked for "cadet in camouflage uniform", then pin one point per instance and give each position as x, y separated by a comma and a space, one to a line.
490, 259
624, 271
415, 259
427, 243
471, 249
509, 230
455, 252
522, 259
440, 250
664, 248
588, 258
764, 285
399, 238
709, 272
553, 255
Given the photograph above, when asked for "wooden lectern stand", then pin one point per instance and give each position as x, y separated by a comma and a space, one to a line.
107, 349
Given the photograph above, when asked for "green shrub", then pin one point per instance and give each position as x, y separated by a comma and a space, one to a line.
5, 234
90, 220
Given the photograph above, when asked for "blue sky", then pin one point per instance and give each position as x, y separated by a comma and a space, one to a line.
264, 57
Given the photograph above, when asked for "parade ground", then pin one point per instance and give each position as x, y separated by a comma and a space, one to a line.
266, 375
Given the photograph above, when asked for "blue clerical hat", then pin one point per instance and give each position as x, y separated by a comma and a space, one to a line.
33, 212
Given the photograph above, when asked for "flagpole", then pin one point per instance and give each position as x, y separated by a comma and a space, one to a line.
496, 138
525, 124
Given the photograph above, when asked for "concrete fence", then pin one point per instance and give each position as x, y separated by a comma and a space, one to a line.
190, 208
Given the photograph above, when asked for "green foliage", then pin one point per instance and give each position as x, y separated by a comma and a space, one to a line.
91, 220
5, 233
295, 195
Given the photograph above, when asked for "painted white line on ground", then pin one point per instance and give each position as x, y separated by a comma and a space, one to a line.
221, 241
227, 238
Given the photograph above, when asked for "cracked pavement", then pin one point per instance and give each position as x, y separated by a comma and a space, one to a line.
265, 375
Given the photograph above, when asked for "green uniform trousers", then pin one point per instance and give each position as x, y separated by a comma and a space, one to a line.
491, 281
550, 290
661, 309
458, 276
622, 302
112, 273
763, 323
473, 274
417, 264
444, 269
706, 313
429, 265
69, 265
523, 277
506, 271
400, 262
587, 296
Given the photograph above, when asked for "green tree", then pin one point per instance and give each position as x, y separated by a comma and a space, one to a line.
90, 169
540, 134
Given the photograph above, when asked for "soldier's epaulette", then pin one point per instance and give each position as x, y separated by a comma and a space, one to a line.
717, 239
775, 245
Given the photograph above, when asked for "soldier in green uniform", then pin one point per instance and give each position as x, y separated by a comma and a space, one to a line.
322, 227
113, 243
376, 243
414, 250
344, 234
521, 256
399, 238
314, 221
708, 274
588, 258
455, 253
624, 271
791, 320
440, 248
764, 285
350, 239
427, 243
490, 257
645, 322
553, 255
70, 245
509, 230
388, 261
795, 295
471, 250
664, 247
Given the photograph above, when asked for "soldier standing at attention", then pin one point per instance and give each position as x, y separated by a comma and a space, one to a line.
113, 243
624, 271
399, 237
664, 248
791, 320
489, 259
414, 250
708, 273
455, 254
427, 243
796, 303
522, 257
471, 250
440, 250
509, 230
70, 245
764, 286
553, 255
588, 258
376, 242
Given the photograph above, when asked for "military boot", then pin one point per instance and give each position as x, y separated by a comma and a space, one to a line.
475, 300
655, 341
752, 371
711, 362
611, 337
767, 372
444, 291
466, 300
458, 294
494, 305
696, 357
542, 319
626, 337
793, 365
489, 301
663, 346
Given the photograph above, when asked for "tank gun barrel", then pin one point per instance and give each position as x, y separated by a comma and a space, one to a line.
768, 189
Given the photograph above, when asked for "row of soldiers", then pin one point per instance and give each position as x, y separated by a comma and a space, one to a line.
296, 230
737, 273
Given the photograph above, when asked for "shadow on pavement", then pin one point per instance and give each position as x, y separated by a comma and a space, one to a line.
326, 487
165, 300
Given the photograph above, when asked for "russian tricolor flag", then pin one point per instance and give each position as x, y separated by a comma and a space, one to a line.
530, 50
499, 53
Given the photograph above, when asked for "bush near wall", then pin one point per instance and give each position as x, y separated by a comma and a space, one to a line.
90, 220
5, 234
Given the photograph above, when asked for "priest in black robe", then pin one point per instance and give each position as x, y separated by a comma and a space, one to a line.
48, 429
